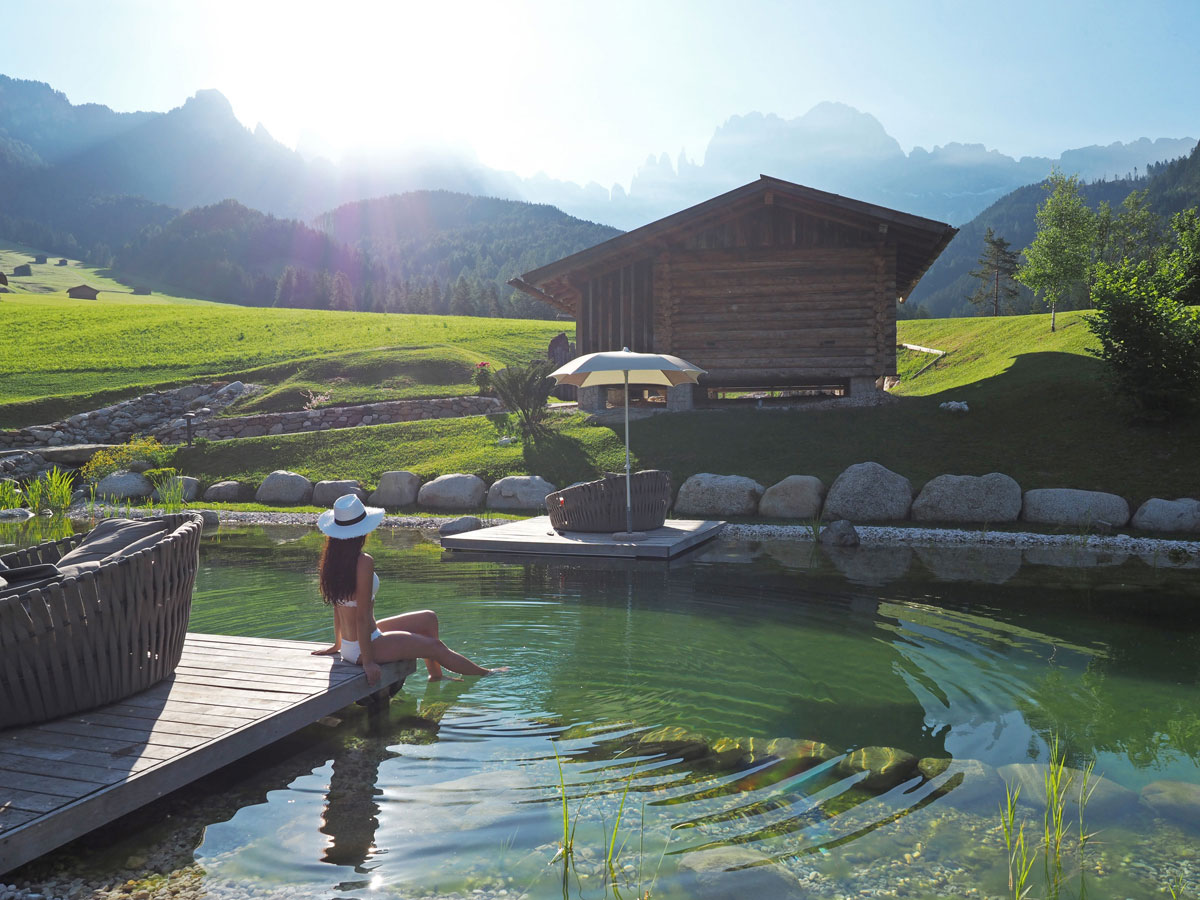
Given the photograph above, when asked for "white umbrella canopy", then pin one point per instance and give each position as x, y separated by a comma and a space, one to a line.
625, 367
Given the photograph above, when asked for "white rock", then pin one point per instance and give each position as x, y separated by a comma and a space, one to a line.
325, 492
460, 525
282, 486
954, 406
705, 494
1181, 515
968, 498
226, 492
1067, 506
796, 497
396, 489
454, 491
124, 486
191, 488
519, 492
868, 492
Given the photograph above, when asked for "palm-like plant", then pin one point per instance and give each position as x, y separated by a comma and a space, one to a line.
524, 391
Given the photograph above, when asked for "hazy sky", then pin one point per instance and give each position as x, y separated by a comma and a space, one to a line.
585, 91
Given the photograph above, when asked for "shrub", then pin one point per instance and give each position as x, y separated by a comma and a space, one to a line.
140, 449
524, 391
1149, 341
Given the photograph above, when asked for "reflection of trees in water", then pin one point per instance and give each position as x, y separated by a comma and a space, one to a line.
1139, 701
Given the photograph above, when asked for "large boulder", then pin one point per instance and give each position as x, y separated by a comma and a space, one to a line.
1178, 800
124, 486
968, 498
868, 492
396, 489
285, 487
226, 492
461, 525
718, 495
1106, 800
1067, 506
325, 492
456, 491
1168, 515
190, 486
520, 492
735, 873
796, 497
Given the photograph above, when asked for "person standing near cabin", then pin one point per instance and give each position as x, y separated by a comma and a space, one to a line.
349, 584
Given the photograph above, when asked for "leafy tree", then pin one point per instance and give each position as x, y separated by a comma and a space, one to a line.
341, 292
997, 268
1134, 233
1149, 337
1058, 261
524, 391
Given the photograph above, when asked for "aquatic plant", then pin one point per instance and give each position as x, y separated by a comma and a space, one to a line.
57, 486
1058, 866
10, 495
34, 488
169, 488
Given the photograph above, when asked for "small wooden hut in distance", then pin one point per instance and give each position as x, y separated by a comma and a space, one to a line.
83, 292
3, 278
22, 271
771, 286
62, 262
40, 259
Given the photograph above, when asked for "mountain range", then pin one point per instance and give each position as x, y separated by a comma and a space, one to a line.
199, 154
84, 180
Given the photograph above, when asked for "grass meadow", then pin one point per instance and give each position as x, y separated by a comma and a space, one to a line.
60, 356
1041, 409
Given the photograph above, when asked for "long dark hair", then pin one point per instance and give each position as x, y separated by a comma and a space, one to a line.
339, 568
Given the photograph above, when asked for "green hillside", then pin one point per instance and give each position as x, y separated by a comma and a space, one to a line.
60, 356
1040, 411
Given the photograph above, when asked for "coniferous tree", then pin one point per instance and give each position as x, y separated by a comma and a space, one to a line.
996, 272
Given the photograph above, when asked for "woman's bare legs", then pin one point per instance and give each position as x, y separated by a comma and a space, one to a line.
424, 622
396, 645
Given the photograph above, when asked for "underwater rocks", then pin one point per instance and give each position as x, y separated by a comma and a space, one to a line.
1177, 800
886, 767
736, 873
1106, 800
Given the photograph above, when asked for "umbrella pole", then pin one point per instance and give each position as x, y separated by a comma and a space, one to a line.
628, 477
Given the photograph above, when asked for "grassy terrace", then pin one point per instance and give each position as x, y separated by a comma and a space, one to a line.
1040, 412
60, 356
1040, 407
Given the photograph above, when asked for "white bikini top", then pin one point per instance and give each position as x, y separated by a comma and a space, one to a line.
353, 604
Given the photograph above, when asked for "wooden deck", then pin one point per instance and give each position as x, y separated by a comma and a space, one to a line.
536, 536
229, 697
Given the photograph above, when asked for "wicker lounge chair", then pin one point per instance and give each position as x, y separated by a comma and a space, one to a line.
93, 618
597, 506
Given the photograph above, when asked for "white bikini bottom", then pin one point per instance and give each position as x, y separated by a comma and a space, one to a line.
350, 649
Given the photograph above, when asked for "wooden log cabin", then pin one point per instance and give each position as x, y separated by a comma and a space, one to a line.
770, 287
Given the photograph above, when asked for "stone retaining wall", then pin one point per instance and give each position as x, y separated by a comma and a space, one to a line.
116, 424
330, 417
161, 414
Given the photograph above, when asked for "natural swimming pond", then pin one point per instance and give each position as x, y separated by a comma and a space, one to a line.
755, 718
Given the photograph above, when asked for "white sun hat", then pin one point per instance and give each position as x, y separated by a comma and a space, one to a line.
349, 518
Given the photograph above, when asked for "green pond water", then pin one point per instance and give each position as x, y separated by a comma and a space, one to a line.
692, 700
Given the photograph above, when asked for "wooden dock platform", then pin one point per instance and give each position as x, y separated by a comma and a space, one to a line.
229, 697
537, 536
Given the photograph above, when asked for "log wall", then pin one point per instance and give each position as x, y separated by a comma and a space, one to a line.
772, 296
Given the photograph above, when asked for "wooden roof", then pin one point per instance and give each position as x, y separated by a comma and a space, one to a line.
918, 240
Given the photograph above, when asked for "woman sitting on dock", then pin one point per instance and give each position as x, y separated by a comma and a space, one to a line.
349, 583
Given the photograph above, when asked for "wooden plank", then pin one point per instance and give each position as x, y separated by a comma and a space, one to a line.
120, 775
31, 765
30, 749
256, 678
43, 784
151, 737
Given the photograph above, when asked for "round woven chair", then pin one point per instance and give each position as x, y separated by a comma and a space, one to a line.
93, 637
597, 506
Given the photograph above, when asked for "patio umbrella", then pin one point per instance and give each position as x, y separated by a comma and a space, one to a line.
624, 367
